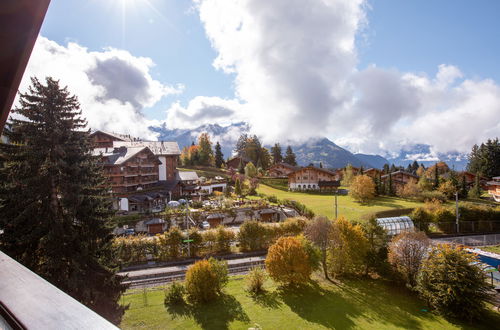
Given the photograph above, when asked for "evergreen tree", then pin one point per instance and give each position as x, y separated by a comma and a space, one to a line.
436, 177
414, 167
54, 205
361, 170
320, 165
219, 156
265, 159
475, 191
237, 187
485, 159
206, 154
276, 153
241, 167
393, 168
290, 157
389, 186
386, 169
241, 145
463, 187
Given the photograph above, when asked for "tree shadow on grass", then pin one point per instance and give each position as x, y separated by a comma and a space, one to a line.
267, 299
318, 305
214, 315
392, 304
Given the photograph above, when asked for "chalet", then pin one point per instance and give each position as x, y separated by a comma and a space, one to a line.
234, 162
399, 178
281, 170
312, 178
372, 172
129, 169
215, 219
494, 188
101, 139
167, 152
188, 182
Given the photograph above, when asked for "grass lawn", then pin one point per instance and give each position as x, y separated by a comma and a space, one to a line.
365, 304
324, 204
494, 249
207, 172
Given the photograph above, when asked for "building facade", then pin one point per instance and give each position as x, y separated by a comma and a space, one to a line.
494, 188
399, 178
281, 170
309, 178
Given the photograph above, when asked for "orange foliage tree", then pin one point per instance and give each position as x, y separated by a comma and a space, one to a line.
288, 262
362, 188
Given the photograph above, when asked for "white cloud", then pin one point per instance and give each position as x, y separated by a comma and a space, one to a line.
296, 77
112, 86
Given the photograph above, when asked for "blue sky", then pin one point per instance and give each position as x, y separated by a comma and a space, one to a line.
359, 72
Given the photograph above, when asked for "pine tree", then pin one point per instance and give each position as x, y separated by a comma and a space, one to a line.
320, 165
54, 206
436, 177
389, 187
237, 187
219, 156
276, 153
463, 187
241, 167
475, 191
290, 157
393, 168
386, 169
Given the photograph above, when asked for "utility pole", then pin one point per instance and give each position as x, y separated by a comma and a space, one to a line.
456, 211
336, 206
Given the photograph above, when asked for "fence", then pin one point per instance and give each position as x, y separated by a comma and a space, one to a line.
465, 227
474, 240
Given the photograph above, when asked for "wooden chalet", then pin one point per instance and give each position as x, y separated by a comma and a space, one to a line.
281, 170
399, 178
309, 178
493, 187
372, 172
101, 139
235, 162
129, 169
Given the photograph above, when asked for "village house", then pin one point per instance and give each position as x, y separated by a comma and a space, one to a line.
312, 178
281, 170
399, 178
101, 139
234, 162
493, 187
372, 172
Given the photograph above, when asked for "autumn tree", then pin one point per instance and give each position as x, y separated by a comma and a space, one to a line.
276, 153
288, 262
55, 211
447, 188
347, 248
362, 188
319, 232
406, 253
348, 176
410, 190
453, 283
205, 280
219, 156
424, 184
290, 157
250, 170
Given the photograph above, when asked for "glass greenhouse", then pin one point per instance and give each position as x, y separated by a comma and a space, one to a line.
396, 225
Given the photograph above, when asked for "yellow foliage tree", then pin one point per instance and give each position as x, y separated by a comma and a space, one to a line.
287, 261
347, 248
409, 190
362, 188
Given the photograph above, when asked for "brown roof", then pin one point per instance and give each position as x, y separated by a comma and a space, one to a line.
403, 172
312, 168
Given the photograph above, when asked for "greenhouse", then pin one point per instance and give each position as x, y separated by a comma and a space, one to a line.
396, 225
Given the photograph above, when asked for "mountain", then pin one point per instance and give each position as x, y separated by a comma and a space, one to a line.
374, 161
314, 151
225, 135
423, 154
326, 152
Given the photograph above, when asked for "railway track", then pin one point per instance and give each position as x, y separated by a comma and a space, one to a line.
165, 278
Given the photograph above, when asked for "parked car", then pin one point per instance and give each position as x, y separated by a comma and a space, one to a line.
129, 231
205, 225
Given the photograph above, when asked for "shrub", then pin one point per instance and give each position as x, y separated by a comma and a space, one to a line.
293, 226
255, 280
362, 188
210, 241
197, 243
453, 284
421, 218
377, 239
252, 236
174, 293
409, 190
406, 253
427, 196
223, 239
347, 249
171, 243
287, 261
204, 281
272, 199
219, 267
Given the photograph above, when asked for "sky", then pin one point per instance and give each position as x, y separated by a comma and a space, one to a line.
374, 76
